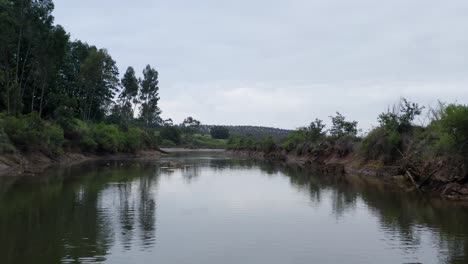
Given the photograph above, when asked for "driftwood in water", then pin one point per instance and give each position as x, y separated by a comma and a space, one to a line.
412, 180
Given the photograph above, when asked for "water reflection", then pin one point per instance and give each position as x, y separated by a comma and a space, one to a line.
95, 211
405, 218
72, 214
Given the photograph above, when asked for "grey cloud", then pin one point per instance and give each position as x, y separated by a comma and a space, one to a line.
283, 63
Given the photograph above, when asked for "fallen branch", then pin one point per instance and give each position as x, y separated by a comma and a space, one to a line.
412, 180
428, 177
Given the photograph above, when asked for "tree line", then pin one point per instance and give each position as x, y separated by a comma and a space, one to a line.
42, 70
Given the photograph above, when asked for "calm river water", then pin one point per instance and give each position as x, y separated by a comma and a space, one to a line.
220, 210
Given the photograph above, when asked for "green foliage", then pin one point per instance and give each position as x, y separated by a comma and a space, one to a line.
452, 128
341, 127
190, 125
108, 138
168, 143
149, 97
385, 141
5, 144
315, 131
268, 144
294, 139
219, 132
134, 139
79, 133
381, 144
400, 117
205, 141
30, 132
54, 139
171, 133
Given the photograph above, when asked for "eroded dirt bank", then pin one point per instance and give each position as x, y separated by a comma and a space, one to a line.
36, 162
445, 177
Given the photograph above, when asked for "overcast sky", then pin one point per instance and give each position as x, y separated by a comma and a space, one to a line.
283, 63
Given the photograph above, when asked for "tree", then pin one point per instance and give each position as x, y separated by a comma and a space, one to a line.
128, 96
400, 117
341, 127
99, 80
219, 132
314, 131
26, 27
149, 97
190, 125
171, 133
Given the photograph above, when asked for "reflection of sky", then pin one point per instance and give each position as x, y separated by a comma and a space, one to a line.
247, 216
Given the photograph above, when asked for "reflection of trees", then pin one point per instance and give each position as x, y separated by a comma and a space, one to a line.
147, 210
400, 214
126, 214
69, 215
190, 173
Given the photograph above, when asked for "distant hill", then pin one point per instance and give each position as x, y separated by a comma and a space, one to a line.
251, 131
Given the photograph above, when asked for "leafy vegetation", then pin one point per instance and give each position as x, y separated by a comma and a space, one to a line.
446, 134
57, 94
257, 132
219, 132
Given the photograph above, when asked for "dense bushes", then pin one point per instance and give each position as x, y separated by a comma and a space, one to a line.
396, 136
172, 134
451, 127
447, 132
31, 133
385, 142
219, 132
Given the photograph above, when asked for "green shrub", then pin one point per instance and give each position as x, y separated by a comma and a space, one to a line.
79, 133
30, 132
5, 143
168, 143
294, 139
53, 134
219, 132
400, 117
381, 144
452, 128
134, 139
341, 127
24, 131
233, 141
108, 138
171, 133
268, 144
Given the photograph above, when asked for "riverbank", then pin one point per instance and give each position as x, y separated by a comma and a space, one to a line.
171, 150
36, 162
444, 180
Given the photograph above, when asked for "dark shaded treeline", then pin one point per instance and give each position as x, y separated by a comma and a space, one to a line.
42, 70
60, 94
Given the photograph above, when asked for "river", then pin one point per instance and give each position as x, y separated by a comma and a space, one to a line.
220, 209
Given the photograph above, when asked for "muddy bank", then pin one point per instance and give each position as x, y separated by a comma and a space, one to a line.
442, 177
172, 150
37, 162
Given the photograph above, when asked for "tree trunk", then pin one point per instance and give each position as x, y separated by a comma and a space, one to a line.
42, 97
32, 98
22, 71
